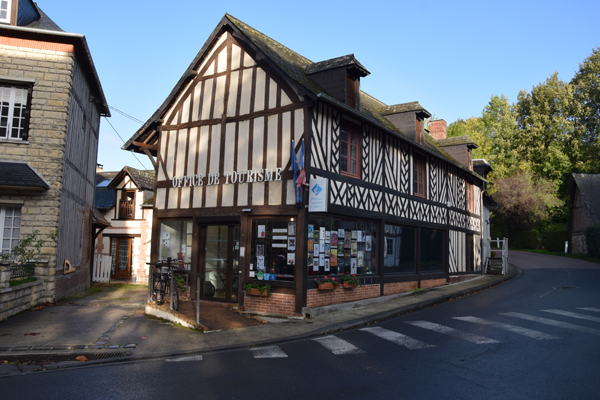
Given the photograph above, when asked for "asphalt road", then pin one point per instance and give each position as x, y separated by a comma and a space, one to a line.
534, 337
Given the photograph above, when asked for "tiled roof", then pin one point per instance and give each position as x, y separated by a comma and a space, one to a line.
457, 140
21, 175
44, 22
144, 180
344, 61
589, 187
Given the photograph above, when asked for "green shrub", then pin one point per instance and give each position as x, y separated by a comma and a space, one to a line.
592, 236
555, 241
530, 239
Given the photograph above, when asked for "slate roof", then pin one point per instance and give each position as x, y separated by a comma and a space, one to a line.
43, 22
104, 198
298, 68
144, 180
457, 140
21, 175
343, 61
589, 187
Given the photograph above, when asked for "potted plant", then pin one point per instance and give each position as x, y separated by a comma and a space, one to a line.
326, 283
254, 289
350, 281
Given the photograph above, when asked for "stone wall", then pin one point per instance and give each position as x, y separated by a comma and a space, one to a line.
16, 299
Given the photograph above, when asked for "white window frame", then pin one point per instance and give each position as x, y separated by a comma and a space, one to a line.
14, 91
3, 208
5, 6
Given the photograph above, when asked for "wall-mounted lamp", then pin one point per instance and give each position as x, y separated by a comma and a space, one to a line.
246, 210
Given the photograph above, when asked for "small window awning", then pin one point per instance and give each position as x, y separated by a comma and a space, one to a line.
20, 175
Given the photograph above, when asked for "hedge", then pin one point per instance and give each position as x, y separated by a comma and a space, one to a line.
592, 236
525, 240
555, 241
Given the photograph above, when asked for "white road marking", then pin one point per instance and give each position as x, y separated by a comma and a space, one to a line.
398, 338
452, 332
589, 309
512, 328
189, 358
268, 352
574, 315
338, 346
564, 325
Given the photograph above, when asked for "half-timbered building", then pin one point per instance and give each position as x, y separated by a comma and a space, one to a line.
382, 199
585, 209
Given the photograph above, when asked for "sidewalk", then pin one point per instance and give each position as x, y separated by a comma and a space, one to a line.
111, 327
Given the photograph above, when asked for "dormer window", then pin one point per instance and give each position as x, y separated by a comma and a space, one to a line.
419, 131
5, 8
351, 85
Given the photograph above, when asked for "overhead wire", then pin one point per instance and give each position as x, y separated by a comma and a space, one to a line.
114, 129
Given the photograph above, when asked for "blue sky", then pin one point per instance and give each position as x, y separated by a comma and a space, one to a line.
451, 56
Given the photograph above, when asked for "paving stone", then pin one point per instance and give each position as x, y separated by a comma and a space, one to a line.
96, 347
21, 348
78, 347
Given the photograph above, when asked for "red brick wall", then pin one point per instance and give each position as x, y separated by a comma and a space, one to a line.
318, 298
433, 283
399, 287
278, 303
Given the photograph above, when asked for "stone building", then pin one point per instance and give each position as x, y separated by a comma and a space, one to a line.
51, 104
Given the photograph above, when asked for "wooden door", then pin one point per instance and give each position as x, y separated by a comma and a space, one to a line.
120, 252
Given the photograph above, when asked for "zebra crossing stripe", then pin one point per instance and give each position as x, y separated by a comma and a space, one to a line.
574, 315
589, 309
452, 332
268, 352
512, 328
398, 338
560, 324
338, 346
189, 358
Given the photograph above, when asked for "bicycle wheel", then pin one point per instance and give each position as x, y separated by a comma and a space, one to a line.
159, 291
175, 297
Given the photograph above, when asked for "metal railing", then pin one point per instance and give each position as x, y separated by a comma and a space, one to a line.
173, 265
502, 246
22, 271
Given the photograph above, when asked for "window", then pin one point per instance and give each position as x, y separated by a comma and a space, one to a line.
432, 250
10, 227
127, 205
14, 115
400, 252
5, 10
273, 252
176, 240
341, 246
419, 175
350, 150
469, 190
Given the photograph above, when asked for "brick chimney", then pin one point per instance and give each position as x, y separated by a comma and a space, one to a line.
437, 129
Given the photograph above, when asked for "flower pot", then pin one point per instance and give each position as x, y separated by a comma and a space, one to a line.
326, 286
350, 285
256, 292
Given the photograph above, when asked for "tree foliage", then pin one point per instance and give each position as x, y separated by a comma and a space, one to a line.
526, 200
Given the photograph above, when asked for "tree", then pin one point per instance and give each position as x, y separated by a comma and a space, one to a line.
586, 83
526, 200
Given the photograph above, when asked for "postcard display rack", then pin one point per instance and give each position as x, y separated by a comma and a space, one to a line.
339, 251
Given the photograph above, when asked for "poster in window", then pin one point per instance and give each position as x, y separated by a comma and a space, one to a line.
261, 231
341, 234
260, 263
354, 235
334, 239
291, 228
316, 249
309, 260
310, 245
322, 233
354, 248
260, 250
340, 246
291, 243
347, 262
327, 269
316, 264
322, 245
311, 231
353, 266
361, 258
334, 255
291, 259
252, 274
322, 260
316, 234
347, 239
368, 243
327, 236
359, 236
327, 249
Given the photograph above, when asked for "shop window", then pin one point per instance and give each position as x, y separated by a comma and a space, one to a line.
10, 228
14, 112
350, 150
400, 244
338, 246
432, 250
176, 241
273, 253
419, 176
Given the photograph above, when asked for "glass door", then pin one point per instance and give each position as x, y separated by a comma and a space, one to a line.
121, 257
221, 262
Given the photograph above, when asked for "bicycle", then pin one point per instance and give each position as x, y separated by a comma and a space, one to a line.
162, 285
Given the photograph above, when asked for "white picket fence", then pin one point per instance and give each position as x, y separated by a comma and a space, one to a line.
101, 268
